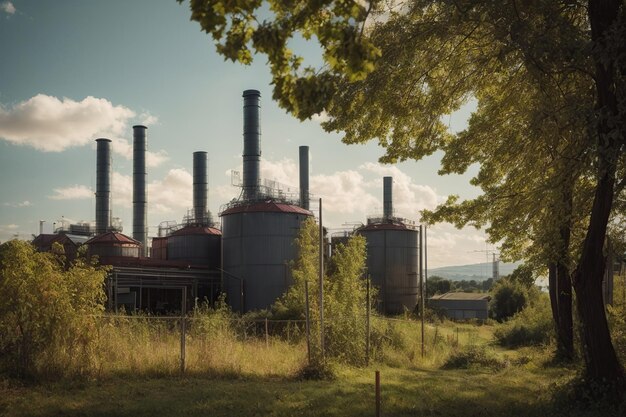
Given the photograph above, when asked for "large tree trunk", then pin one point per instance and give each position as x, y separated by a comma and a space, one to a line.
601, 363
565, 346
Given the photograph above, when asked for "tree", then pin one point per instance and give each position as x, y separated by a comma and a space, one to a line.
437, 285
344, 295
549, 126
46, 310
507, 299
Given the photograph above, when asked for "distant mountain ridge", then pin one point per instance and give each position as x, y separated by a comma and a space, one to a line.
477, 272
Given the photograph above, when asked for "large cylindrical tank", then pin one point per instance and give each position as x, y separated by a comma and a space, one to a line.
392, 263
112, 246
197, 245
258, 244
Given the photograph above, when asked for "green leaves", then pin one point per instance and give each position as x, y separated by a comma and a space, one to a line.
241, 28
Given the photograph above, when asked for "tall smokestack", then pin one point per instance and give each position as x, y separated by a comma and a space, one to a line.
387, 197
103, 185
251, 144
140, 144
304, 177
200, 186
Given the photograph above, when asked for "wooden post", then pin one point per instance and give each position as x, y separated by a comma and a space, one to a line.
321, 281
377, 393
367, 324
421, 284
182, 330
308, 320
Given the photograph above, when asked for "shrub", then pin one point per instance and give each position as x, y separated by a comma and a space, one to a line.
508, 297
473, 356
46, 311
532, 326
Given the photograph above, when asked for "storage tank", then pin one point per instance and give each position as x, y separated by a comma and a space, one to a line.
258, 232
111, 246
392, 258
195, 244
258, 245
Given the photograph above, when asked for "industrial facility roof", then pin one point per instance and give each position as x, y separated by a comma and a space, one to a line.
266, 206
112, 237
461, 296
196, 230
45, 240
386, 226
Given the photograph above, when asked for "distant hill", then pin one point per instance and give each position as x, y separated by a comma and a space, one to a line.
477, 272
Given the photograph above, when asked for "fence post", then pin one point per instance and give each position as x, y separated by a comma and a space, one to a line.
183, 311
367, 324
308, 324
377, 393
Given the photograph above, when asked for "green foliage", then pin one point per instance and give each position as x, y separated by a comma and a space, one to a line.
437, 285
474, 356
533, 326
524, 275
617, 321
46, 322
508, 298
239, 33
344, 296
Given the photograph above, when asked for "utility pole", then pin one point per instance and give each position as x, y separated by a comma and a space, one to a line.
421, 285
321, 281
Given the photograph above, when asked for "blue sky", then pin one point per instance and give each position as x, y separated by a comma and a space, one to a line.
73, 71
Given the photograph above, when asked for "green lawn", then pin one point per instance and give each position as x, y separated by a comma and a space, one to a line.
516, 391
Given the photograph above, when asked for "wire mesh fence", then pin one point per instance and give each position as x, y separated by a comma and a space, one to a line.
224, 344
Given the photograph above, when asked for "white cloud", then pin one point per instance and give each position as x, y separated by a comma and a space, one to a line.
344, 192
7, 7
174, 192
408, 198
50, 124
24, 203
11, 226
450, 246
320, 117
124, 148
75, 192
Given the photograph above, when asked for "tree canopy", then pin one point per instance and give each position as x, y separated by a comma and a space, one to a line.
549, 129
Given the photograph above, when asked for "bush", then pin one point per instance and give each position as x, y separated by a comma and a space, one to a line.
46, 311
508, 297
473, 356
533, 326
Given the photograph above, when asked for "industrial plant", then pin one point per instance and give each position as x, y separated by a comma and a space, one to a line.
249, 258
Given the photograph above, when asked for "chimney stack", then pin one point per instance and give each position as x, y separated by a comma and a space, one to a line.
251, 144
103, 185
387, 197
140, 214
304, 177
200, 187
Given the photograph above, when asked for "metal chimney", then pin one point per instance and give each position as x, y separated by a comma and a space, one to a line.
103, 185
140, 215
304, 177
251, 144
387, 197
200, 186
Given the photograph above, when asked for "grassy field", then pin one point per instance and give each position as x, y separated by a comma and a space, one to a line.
516, 391
226, 377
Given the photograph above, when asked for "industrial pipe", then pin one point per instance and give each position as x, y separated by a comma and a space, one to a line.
200, 187
251, 144
103, 185
140, 201
387, 197
304, 177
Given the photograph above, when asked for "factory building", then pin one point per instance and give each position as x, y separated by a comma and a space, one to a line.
250, 258
462, 305
259, 229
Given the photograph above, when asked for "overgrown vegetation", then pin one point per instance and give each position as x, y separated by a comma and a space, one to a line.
47, 326
533, 326
509, 297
